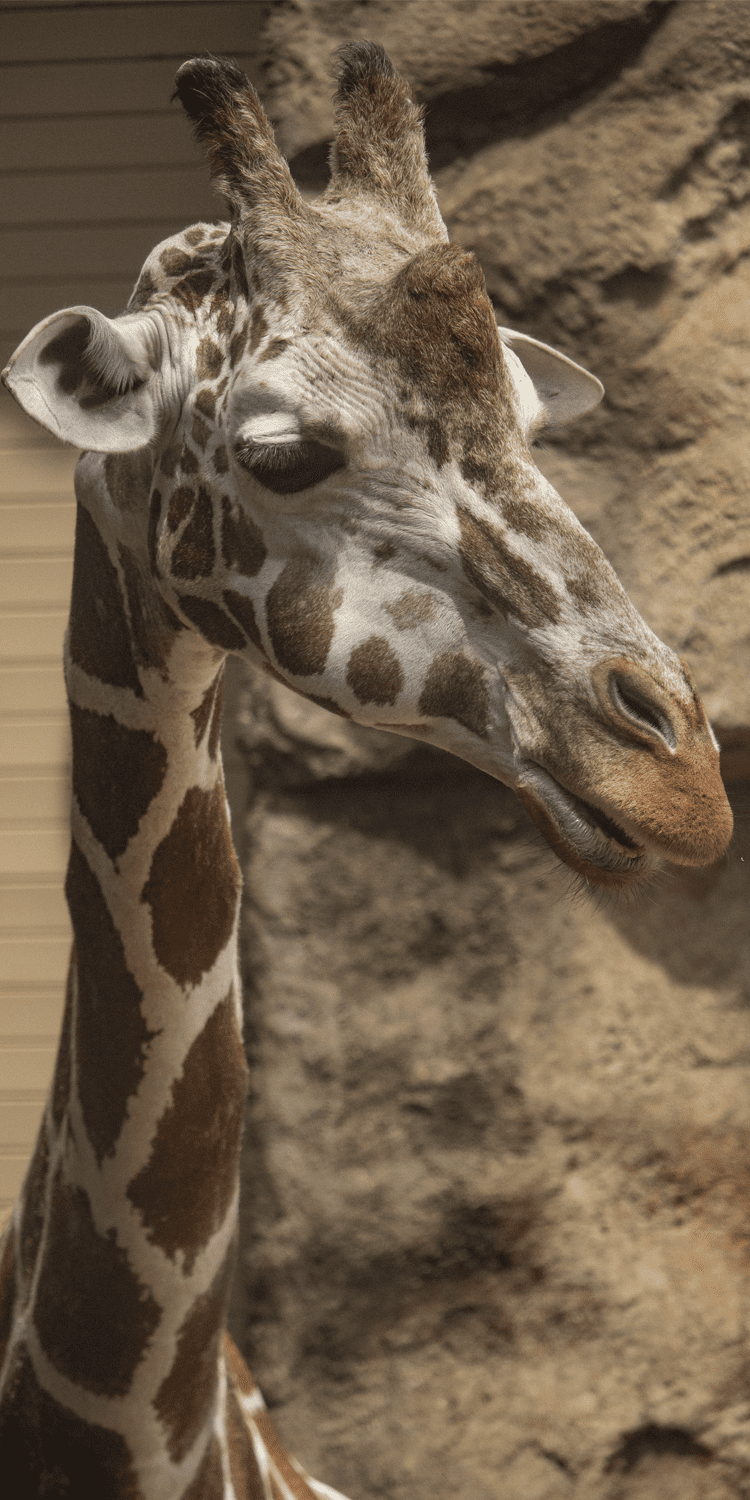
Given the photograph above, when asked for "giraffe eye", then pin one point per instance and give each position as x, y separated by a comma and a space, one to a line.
286, 468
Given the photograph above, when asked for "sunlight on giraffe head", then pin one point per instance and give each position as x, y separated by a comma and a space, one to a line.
312, 441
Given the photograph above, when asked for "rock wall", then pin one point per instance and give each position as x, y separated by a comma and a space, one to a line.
497, 1186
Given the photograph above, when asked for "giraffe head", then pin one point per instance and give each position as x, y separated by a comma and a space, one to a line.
312, 437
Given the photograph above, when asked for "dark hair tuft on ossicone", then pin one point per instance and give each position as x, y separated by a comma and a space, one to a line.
207, 84
360, 61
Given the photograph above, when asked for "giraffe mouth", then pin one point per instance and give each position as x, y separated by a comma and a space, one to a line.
583, 835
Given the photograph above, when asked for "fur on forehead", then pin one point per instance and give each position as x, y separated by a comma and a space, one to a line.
434, 319
432, 322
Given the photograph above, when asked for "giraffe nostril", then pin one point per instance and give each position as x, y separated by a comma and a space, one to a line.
640, 708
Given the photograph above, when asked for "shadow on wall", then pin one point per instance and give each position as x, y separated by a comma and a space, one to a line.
694, 922
517, 98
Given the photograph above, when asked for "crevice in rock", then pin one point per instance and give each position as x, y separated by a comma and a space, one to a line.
735, 565
452, 1292
517, 97
656, 1440
556, 1459
733, 126
644, 288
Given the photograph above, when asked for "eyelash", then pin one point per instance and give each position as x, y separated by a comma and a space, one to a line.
287, 468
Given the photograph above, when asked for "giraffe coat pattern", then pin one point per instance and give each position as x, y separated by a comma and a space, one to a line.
307, 443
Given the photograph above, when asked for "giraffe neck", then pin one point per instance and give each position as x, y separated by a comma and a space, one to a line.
126, 1234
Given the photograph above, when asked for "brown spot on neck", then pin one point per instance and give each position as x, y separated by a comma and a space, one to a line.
111, 1035
184, 1401
243, 610
32, 1216
193, 289
93, 1315
181, 501
193, 887
274, 349
99, 634
60, 1095
237, 344
177, 262
189, 461
117, 772
186, 1188
59, 1454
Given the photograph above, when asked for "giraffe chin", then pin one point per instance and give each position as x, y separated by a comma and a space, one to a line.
583, 836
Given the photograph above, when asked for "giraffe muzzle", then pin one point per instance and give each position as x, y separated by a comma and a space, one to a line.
638, 785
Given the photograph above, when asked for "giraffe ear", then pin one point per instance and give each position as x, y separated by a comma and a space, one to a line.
90, 379
565, 389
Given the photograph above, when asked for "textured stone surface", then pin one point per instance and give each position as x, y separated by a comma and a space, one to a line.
497, 1187
497, 1181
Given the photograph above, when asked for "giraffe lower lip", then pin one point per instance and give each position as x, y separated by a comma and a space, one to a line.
595, 838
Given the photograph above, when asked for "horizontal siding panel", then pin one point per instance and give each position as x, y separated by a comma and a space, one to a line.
82, 250
37, 580
181, 194
32, 1015
156, 29
32, 906
35, 743
29, 637
31, 690
26, 1070
38, 528
12, 1173
19, 1123
32, 851
11, 500
33, 960
24, 304
33, 471
99, 141
73, 88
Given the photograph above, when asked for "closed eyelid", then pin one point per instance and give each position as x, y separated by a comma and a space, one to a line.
287, 468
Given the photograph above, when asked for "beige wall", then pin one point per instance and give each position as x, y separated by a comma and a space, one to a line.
96, 166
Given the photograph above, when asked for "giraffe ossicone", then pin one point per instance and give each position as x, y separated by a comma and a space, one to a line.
307, 444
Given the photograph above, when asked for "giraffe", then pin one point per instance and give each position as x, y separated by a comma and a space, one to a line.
307, 443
